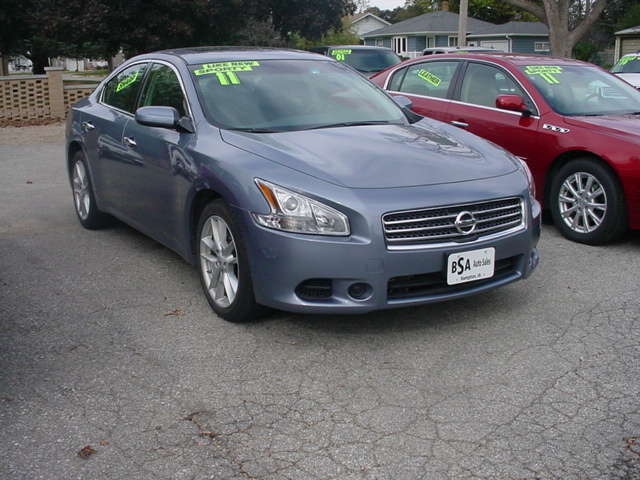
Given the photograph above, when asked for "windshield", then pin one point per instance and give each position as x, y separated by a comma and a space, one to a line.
365, 60
630, 64
280, 95
583, 90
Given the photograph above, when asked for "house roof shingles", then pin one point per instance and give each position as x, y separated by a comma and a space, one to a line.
514, 28
434, 22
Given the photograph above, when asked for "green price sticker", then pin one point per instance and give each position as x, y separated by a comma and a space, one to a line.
547, 72
341, 53
225, 71
429, 77
127, 81
626, 60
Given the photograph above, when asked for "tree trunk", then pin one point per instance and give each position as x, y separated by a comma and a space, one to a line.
4, 65
39, 62
555, 15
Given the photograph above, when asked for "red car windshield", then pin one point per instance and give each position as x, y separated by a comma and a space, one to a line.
583, 90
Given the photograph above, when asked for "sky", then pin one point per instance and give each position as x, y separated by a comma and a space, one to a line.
386, 4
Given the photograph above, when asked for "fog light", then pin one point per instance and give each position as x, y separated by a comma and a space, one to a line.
358, 290
534, 259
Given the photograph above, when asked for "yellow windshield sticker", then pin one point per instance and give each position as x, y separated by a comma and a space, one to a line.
625, 60
127, 81
228, 78
341, 53
547, 72
429, 77
222, 67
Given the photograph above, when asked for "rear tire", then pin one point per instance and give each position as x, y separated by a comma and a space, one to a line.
223, 265
587, 203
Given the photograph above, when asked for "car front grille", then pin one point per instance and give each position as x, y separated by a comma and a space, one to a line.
430, 227
433, 284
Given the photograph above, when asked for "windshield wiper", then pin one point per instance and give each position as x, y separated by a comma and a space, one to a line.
257, 130
352, 124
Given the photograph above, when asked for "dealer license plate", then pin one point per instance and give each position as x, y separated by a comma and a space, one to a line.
470, 266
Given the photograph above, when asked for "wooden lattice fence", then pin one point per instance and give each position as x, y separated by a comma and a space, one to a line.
38, 97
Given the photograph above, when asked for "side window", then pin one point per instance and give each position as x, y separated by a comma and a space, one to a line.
431, 79
122, 90
483, 83
163, 89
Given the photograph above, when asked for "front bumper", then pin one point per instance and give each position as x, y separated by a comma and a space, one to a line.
312, 274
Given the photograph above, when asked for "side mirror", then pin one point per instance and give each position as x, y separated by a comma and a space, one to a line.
163, 117
404, 102
514, 103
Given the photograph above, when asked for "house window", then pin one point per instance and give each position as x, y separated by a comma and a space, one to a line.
400, 45
453, 41
541, 46
431, 42
379, 42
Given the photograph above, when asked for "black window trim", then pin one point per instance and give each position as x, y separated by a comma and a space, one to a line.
189, 113
147, 62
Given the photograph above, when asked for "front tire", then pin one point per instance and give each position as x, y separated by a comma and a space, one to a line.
223, 265
84, 199
587, 203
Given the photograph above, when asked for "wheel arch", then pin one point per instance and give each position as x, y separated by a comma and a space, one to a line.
561, 161
73, 148
200, 201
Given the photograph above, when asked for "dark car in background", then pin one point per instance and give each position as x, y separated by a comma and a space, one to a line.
366, 59
576, 125
293, 182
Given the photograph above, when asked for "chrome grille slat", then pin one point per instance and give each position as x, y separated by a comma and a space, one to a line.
433, 226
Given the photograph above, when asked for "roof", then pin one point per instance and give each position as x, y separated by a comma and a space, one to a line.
629, 31
197, 55
521, 59
514, 28
361, 16
433, 22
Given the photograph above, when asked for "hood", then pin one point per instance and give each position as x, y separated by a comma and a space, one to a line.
632, 78
621, 125
378, 156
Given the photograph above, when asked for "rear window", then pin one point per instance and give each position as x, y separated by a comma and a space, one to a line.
365, 60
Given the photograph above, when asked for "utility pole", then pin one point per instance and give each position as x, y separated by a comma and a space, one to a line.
462, 23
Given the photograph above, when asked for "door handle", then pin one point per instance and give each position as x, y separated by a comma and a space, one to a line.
130, 142
88, 125
459, 124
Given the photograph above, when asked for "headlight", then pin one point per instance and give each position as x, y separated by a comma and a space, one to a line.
524, 168
292, 212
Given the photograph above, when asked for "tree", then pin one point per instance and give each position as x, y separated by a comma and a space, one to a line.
414, 8
307, 19
493, 11
14, 27
568, 20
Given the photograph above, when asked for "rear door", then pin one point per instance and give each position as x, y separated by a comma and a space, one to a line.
429, 85
103, 125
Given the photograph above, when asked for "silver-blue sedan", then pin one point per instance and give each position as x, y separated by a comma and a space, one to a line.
292, 182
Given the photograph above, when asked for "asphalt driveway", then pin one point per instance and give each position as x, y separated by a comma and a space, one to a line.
107, 342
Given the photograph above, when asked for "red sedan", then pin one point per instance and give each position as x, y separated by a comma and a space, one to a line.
576, 125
